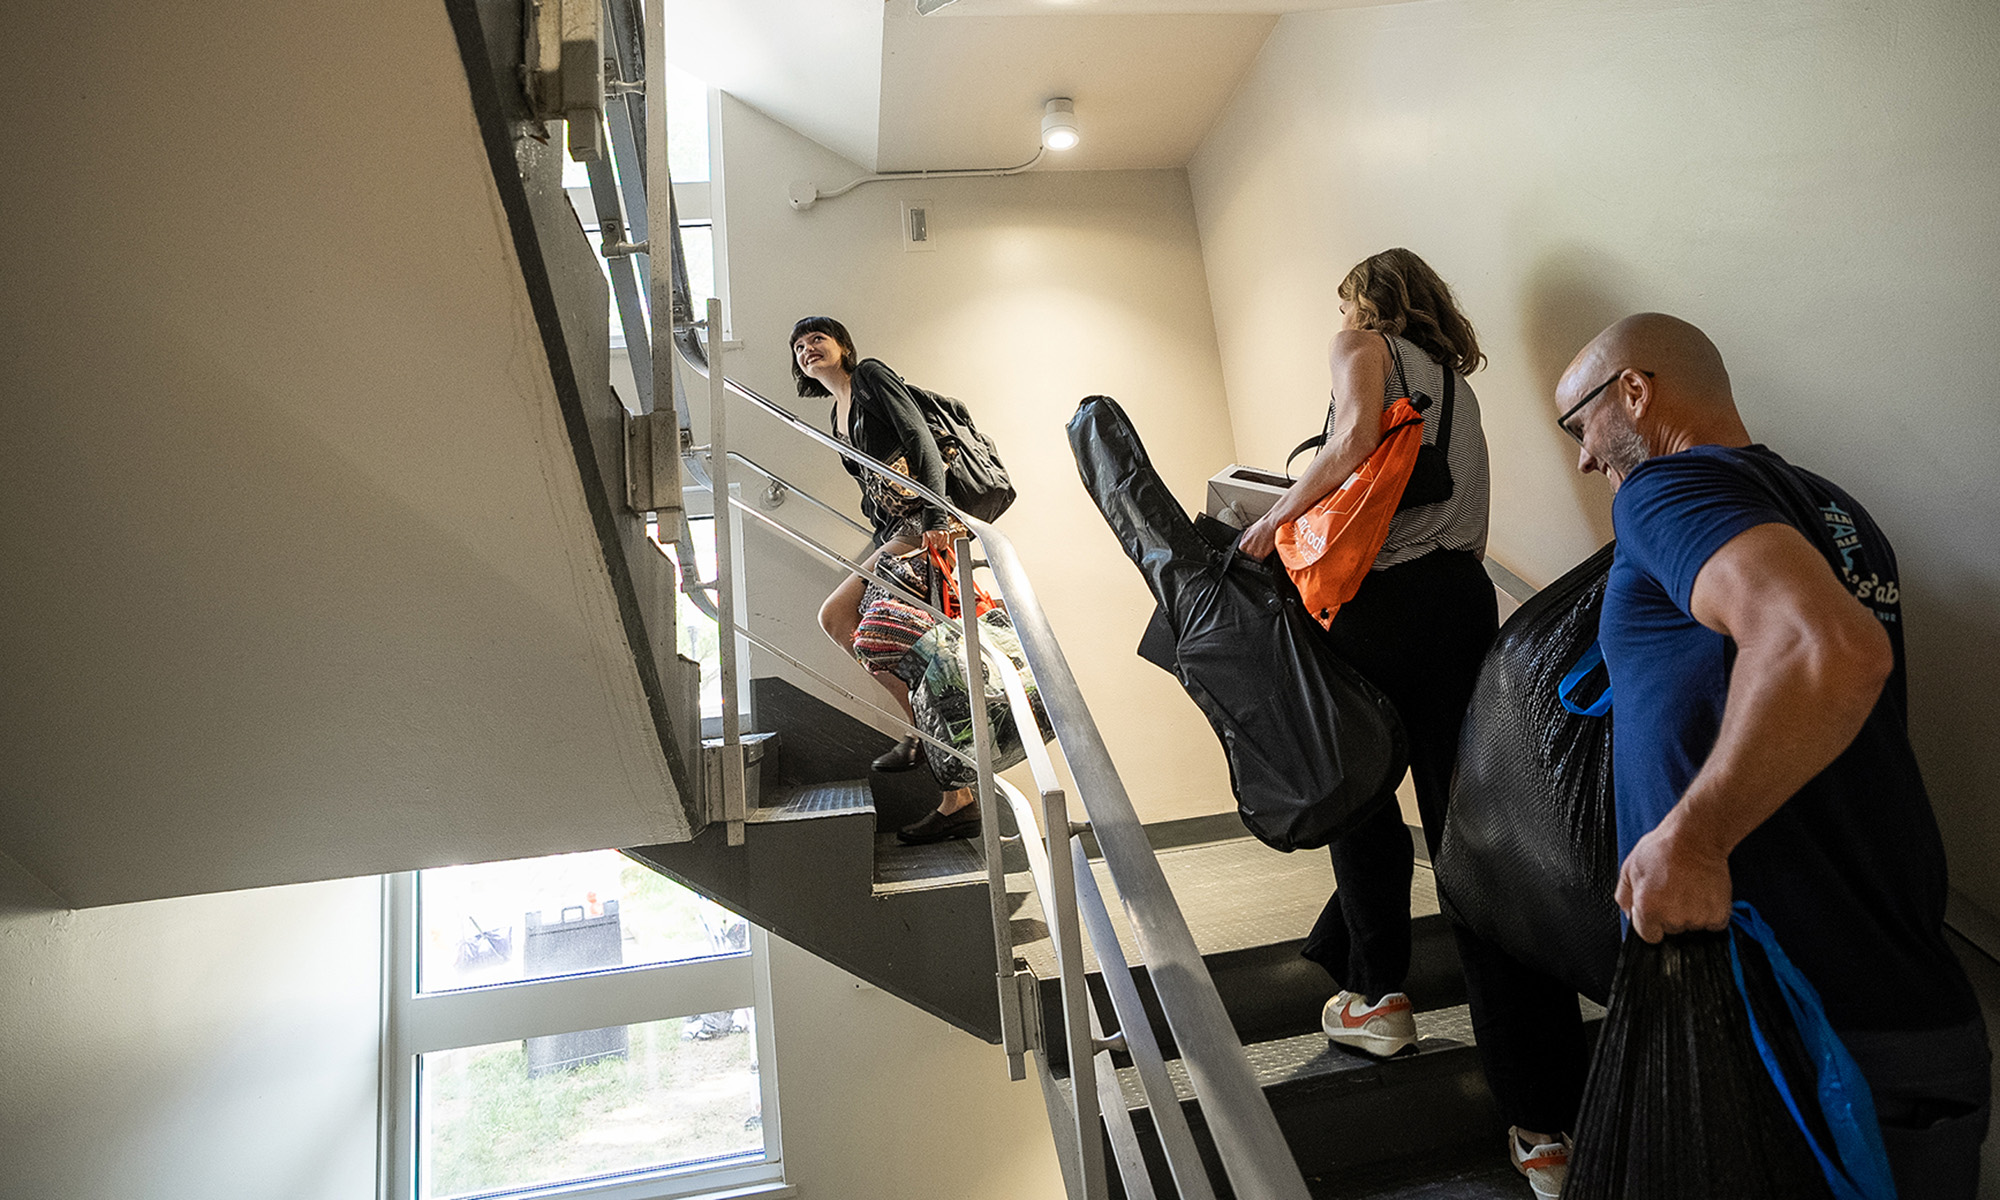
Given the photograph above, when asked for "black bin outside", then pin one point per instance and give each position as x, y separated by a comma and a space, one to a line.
564, 947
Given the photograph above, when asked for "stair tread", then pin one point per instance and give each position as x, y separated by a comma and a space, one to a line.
816, 800
1309, 1059
900, 868
1235, 894
960, 862
1487, 1176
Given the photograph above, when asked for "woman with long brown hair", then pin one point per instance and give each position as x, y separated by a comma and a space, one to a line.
1418, 629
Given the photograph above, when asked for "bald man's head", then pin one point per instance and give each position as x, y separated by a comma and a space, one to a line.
1663, 388
1679, 354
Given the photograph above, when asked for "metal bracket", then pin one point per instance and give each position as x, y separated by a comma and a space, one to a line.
732, 774
1020, 1019
614, 86
565, 69
652, 462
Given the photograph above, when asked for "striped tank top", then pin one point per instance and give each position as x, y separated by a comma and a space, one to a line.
1456, 523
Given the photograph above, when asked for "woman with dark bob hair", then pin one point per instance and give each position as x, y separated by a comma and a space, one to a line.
1418, 629
874, 412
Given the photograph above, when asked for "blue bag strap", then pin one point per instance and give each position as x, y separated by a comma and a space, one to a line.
1589, 661
1844, 1099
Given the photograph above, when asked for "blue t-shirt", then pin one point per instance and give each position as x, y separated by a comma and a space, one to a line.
1850, 872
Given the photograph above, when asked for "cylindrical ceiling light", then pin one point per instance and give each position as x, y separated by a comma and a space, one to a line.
1059, 124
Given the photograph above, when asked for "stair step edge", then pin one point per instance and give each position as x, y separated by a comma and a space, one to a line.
1306, 1058
816, 801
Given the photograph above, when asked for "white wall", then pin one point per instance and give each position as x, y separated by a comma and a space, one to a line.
1043, 288
1811, 182
885, 1101
209, 1048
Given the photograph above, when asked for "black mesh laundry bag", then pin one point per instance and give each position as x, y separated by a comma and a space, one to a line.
1312, 746
1679, 1104
1529, 858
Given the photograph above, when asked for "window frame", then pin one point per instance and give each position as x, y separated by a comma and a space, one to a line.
415, 1023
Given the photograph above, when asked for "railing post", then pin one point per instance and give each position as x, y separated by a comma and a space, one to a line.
1012, 1039
1076, 996
659, 221
734, 806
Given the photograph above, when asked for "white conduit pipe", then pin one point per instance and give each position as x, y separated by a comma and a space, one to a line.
805, 193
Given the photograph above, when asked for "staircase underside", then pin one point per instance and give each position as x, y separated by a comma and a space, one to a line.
312, 568
821, 868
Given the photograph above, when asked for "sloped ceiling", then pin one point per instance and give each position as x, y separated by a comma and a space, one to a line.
815, 65
964, 87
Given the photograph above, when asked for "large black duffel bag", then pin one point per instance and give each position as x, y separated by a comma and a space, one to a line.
1312, 746
1529, 859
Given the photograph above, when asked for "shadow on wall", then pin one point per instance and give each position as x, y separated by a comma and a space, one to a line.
1571, 295
22, 894
1953, 721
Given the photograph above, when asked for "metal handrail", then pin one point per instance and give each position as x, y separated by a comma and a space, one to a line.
834, 556
1088, 1041
802, 493
1252, 1147
1190, 1176
904, 726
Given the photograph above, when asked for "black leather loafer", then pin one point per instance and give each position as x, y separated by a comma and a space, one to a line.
906, 755
941, 827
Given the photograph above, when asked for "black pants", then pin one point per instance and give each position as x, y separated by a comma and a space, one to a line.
1419, 632
1932, 1090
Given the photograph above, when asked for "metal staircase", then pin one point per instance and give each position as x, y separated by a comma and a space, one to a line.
1131, 965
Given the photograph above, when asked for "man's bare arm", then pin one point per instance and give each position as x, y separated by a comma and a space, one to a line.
1810, 664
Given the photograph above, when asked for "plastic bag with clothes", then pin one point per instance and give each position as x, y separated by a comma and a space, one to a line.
1529, 858
1716, 1074
937, 671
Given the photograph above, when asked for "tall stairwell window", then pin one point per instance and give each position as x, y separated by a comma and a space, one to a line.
575, 1025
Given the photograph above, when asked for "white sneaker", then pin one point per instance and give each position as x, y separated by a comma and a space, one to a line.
1384, 1028
1545, 1165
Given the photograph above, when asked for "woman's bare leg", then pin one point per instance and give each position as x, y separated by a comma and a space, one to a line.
840, 614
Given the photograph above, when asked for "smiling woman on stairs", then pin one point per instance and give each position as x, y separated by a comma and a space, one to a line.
874, 412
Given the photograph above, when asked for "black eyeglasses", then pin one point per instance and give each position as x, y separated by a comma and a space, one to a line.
1562, 422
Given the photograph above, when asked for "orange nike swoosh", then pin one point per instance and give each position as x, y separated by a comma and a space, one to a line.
1353, 1022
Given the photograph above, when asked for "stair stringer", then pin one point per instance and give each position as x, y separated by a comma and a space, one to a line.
811, 883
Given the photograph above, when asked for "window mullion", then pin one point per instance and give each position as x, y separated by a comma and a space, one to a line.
692, 204
451, 1020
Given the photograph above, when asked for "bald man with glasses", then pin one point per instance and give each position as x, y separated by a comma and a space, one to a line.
1753, 630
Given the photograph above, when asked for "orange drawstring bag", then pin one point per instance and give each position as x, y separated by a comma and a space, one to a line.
1329, 550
